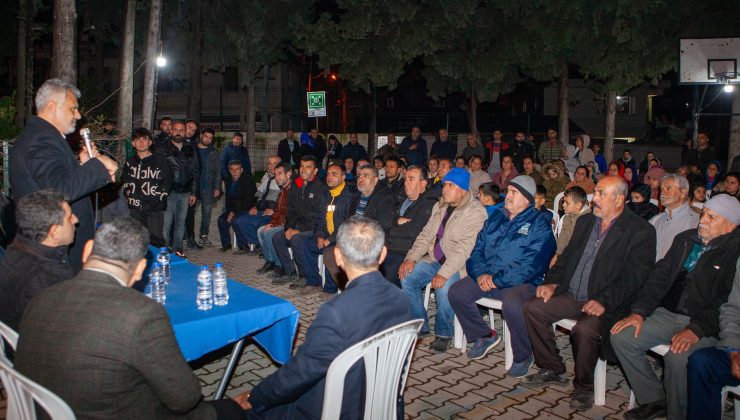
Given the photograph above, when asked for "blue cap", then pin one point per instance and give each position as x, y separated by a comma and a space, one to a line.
164, 248
203, 267
156, 265
218, 265
459, 177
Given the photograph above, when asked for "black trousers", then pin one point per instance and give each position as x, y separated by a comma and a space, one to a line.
153, 221
585, 337
227, 409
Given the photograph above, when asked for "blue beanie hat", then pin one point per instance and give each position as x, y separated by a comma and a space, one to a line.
459, 177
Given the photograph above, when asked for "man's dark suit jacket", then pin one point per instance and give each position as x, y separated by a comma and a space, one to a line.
41, 158
620, 267
370, 304
108, 351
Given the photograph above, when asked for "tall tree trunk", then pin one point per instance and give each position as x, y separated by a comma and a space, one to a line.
124, 114
563, 106
20, 90
250, 111
150, 72
610, 125
473, 114
195, 99
265, 114
64, 44
734, 143
372, 128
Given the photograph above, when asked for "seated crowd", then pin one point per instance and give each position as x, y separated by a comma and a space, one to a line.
631, 254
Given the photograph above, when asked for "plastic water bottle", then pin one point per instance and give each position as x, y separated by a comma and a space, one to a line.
220, 287
156, 283
204, 296
163, 258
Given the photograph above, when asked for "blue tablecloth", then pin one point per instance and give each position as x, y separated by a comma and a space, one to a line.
271, 321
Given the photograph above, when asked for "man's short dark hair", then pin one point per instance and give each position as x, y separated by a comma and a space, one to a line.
360, 240
238, 134
123, 239
431, 158
284, 166
341, 167
627, 150
310, 158
393, 159
448, 160
424, 174
208, 130
577, 194
163, 119
140, 133
378, 159
190, 120
540, 190
37, 212
235, 163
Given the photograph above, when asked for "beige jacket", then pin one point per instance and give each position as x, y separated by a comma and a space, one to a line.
459, 237
568, 225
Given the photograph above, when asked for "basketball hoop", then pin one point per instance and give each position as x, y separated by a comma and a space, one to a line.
726, 79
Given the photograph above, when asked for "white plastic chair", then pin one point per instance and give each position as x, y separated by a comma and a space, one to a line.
458, 340
660, 350
655, 201
10, 337
599, 372
735, 390
491, 305
322, 269
23, 392
387, 356
556, 202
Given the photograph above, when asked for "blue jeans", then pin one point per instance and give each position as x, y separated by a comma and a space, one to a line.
306, 256
709, 371
413, 285
462, 299
206, 208
265, 235
281, 244
248, 225
224, 232
176, 213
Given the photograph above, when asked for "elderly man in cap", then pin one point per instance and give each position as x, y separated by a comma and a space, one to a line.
679, 305
508, 262
439, 253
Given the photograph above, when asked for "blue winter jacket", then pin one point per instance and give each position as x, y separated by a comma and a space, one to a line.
515, 251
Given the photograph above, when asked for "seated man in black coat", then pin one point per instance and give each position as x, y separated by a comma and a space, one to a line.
239, 196
679, 305
37, 258
409, 217
594, 282
368, 305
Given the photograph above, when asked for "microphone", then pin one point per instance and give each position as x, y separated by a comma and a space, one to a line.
85, 133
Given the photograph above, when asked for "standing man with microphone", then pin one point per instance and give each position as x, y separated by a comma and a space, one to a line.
41, 158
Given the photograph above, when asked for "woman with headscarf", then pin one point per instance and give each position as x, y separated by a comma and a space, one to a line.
627, 175
640, 202
652, 179
583, 153
712, 175
473, 147
581, 179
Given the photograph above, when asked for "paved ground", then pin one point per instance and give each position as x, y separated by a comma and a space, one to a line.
440, 386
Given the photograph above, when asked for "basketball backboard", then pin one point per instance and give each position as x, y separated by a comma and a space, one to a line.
701, 59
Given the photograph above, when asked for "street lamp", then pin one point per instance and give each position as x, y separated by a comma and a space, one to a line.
161, 61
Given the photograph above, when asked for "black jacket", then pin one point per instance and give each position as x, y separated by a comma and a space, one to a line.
369, 305
28, 268
306, 205
185, 167
285, 153
354, 151
620, 268
343, 209
240, 197
147, 182
518, 150
41, 158
381, 200
400, 238
704, 290
444, 149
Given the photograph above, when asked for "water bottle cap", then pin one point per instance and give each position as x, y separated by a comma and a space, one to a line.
203, 267
163, 249
218, 265
156, 265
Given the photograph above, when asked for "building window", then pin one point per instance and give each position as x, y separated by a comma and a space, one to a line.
625, 105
